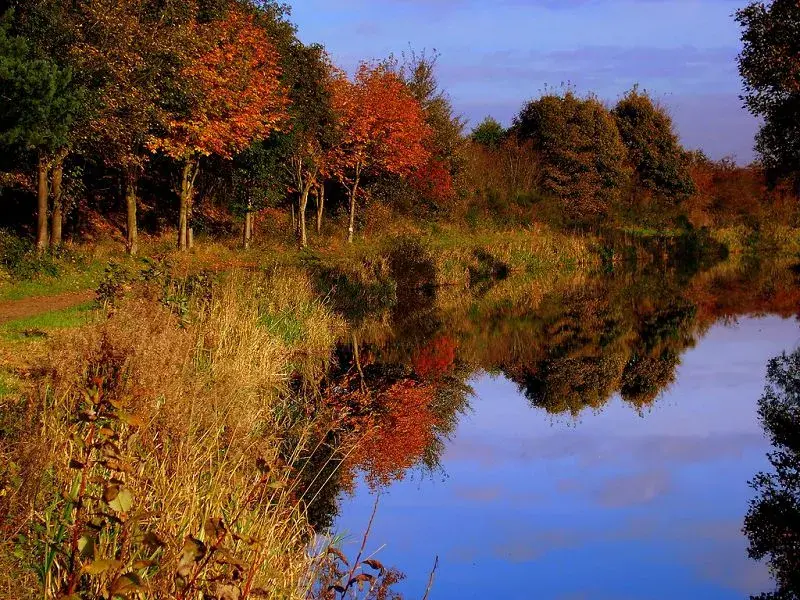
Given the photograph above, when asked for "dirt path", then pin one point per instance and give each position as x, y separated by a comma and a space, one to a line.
11, 310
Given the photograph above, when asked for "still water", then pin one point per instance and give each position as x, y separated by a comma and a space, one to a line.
605, 448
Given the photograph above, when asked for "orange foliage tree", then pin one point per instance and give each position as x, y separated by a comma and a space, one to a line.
381, 129
128, 50
233, 97
434, 182
395, 436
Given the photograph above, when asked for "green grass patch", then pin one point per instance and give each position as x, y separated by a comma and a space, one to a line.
647, 232
40, 325
288, 325
72, 280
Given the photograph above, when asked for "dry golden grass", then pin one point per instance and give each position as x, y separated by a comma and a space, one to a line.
775, 240
213, 397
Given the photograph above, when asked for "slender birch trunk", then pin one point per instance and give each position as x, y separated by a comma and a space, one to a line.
353, 194
320, 207
248, 224
185, 234
302, 204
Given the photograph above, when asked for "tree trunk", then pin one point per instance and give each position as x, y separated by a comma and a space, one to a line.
57, 218
248, 224
303, 203
41, 209
132, 229
320, 207
185, 235
353, 193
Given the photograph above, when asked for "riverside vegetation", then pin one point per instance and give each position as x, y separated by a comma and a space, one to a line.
187, 433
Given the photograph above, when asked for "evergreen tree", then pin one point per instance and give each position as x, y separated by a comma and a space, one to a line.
39, 105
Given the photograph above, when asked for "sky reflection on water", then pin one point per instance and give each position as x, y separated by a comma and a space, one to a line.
616, 504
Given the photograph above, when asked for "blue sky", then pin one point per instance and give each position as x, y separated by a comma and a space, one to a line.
496, 54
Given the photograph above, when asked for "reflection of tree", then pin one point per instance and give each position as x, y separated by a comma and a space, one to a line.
661, 337
388, 417
573, 348
772, 523
581, 346
395, 428
582, 353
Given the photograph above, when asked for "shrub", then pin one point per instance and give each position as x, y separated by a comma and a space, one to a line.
20, 259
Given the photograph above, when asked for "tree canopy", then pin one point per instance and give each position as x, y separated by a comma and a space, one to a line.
40, 100
770, 68
488, 132
584, 160
653, 148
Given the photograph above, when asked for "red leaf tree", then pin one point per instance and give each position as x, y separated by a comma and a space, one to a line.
436, 358
394, 438
233, 97
381, 129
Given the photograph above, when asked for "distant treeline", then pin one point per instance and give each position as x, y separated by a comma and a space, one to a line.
202, 114
574, 161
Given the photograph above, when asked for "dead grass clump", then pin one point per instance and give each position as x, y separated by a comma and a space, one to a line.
199, 411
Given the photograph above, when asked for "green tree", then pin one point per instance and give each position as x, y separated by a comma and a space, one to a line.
489, 133
39, 105
447, 127
258, 181
653, 147
584, 161
770, 67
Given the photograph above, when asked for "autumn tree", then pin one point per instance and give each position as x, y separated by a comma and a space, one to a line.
583, 158
130, 53
380, 126
770, 67
654, 152
232, 97
39, 105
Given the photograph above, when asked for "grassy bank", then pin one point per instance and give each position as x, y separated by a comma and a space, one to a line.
155, 437
773, 240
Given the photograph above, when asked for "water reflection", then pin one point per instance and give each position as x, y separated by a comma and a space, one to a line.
772, 524
603, 348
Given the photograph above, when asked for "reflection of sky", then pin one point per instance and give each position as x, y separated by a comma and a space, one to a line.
615, 505
496, 55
